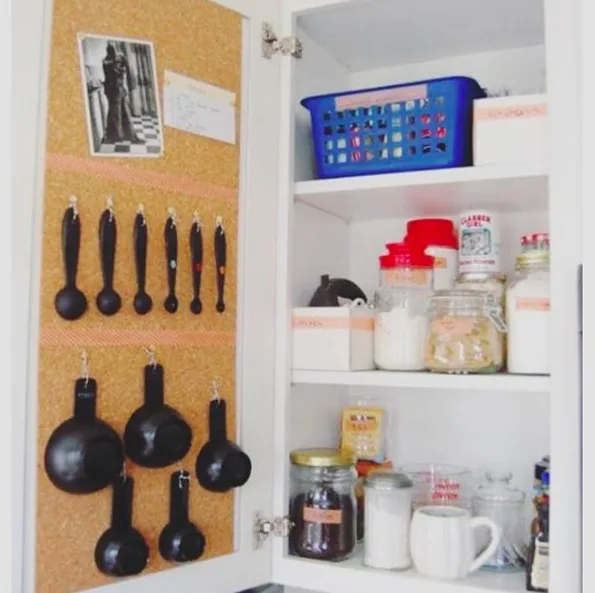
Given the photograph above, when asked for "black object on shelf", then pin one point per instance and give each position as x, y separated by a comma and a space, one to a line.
196, 252
70, 302
171, 254
121, 551
84, 454
220, 263
156, 435
108, 300
330, 289
221, 465
142, 301
180, 540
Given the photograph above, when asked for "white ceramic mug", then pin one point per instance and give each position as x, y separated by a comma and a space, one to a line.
442, 541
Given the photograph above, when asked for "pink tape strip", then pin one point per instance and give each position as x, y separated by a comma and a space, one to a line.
107, 170
105, 337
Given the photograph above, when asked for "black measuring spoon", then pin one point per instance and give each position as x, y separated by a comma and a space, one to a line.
221, 465
181, 540
70, 302
121, 551
220, 262
171, 254
108, 300
142, 301
197, 258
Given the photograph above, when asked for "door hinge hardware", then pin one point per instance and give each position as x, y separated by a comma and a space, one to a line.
271, 44
263, 528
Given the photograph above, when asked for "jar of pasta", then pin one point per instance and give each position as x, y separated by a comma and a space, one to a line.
465, 333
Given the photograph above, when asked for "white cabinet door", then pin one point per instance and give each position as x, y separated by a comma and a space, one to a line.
247, 567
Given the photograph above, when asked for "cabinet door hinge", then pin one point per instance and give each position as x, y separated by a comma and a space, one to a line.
271, 44
263, 528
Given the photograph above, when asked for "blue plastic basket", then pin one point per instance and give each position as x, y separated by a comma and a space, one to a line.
404, 127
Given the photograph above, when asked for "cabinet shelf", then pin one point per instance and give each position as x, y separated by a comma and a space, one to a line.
352, 576
421, 380
439, 192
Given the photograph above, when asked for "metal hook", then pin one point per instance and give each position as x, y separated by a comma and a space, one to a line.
110, 207
196, 219
72, 203
171, 213
85, 367
183, 476
141, 210
150, 351
219, 223
215, 392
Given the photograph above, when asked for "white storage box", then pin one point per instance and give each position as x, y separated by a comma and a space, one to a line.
333, 338
509, 130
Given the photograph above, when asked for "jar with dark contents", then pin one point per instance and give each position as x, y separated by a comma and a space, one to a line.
322, 506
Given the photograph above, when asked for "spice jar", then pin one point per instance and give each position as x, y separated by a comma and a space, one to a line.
387, 519
401, 309
437, 237
496, 499
465, 334
322, 506
528, 315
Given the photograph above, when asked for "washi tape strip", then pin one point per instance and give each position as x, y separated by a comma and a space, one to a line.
141, 177
50, 336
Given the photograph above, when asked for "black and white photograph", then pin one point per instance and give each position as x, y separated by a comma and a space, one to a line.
119, 78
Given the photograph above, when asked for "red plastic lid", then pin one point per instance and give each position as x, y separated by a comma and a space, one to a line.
432, 231
534, 238
402, 255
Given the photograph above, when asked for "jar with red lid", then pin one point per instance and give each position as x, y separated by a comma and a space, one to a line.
400, 305
535, 242
437, 237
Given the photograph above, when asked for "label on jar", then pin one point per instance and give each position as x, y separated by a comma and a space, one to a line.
439, 263
407, 276
532, 304
540, 570
362, 432
325, 516
455, 326
479, 242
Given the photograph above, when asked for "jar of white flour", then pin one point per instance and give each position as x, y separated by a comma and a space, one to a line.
387, 516
400, 305
528, 315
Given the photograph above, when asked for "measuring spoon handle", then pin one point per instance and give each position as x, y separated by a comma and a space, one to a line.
107, 246
71, 241
140, 251
171, 252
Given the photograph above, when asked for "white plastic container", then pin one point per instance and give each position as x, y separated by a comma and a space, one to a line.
333, 338
510, 130
479, 241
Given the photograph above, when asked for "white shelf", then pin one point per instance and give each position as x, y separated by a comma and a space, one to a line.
351, 576
440, 192
422, 380
419, 31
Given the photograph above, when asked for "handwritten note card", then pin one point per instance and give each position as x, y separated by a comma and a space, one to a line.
199, 108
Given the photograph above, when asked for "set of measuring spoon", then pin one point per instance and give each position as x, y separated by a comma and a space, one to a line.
71, 302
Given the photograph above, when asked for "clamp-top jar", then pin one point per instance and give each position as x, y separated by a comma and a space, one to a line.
465, 334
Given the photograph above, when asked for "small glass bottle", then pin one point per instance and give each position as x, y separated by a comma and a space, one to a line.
322, 506
498, 500
465, 333
400, 303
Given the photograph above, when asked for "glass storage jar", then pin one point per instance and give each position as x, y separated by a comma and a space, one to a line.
400, 305
528, 315
496, 499
322, 506
465, 333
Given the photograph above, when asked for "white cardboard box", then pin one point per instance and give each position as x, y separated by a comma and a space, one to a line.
510, 130
333, 338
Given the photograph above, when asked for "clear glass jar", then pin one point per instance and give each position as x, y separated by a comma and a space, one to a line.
496, 499
528, 315
465, 333
322, 505
401, 313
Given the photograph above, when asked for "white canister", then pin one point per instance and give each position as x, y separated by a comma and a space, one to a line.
387, 519
479, 242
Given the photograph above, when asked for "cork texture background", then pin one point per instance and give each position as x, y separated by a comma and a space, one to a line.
195, 38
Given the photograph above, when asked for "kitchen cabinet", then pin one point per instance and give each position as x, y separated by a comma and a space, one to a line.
295, 228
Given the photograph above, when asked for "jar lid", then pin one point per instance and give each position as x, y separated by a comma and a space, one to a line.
481, 277
432, 231
387, 480
497, 488
535, 238
473, 297
322, 458
405, 256
532, 258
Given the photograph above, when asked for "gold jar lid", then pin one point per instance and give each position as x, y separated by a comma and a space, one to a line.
481, 277
532, 258
322, 458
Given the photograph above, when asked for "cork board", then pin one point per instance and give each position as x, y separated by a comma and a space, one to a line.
201, 40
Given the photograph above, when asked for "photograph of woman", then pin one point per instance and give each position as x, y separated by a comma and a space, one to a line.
120, 91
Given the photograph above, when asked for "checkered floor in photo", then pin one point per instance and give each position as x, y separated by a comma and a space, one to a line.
147, 130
